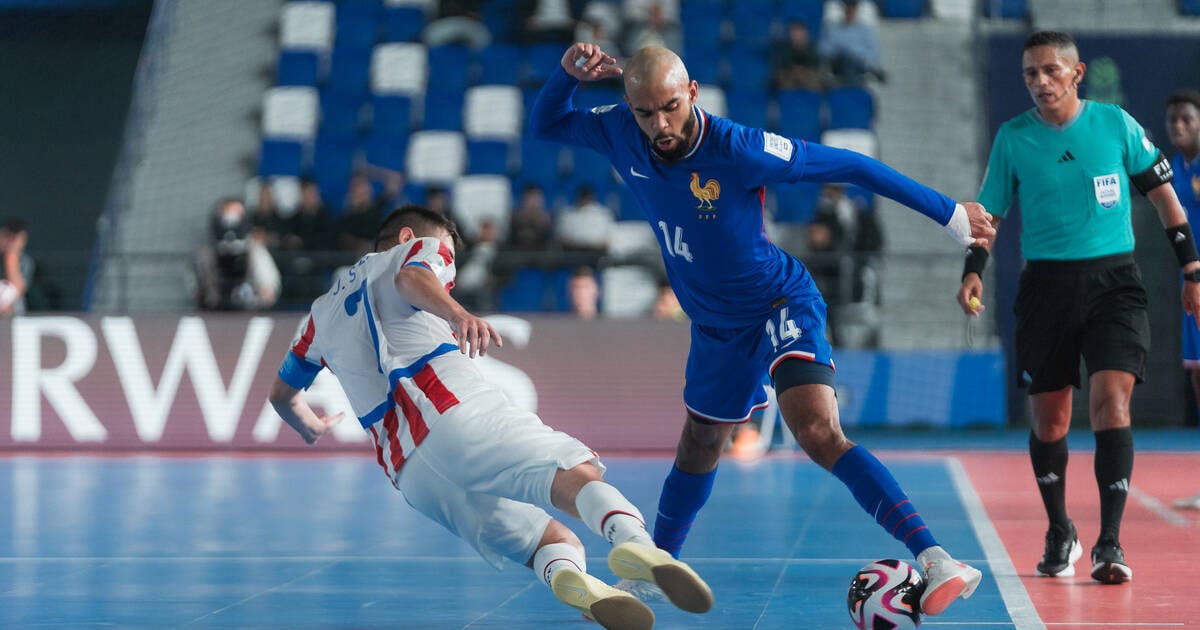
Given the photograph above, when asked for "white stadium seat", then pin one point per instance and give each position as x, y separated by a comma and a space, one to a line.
306, 25
712, 100
860, 140
493, 112
868, 13
478, 199
286, 190
290, 112
436, 156
627, 291
399, 68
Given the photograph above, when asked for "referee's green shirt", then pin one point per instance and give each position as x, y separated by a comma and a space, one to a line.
1072, 181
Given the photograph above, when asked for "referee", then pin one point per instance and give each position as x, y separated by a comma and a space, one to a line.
1069, 163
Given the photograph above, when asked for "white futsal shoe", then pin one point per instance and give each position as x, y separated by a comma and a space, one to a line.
675, 579
612, 609
946, 579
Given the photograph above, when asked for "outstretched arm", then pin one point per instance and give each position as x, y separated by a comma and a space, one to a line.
552, 116
420, 287
289, 403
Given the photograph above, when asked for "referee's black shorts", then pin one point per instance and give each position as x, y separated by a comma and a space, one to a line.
1094, 308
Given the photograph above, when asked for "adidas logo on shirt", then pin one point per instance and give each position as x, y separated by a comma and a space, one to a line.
1066, 157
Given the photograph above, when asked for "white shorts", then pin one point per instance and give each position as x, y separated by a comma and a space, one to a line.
484, 472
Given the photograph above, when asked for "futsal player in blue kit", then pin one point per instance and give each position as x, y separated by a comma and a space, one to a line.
755, 309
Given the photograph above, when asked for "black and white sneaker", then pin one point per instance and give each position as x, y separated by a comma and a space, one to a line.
1062, 550
1108, 563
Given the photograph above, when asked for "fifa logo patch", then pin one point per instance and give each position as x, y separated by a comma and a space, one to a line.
1108, 190
706, 194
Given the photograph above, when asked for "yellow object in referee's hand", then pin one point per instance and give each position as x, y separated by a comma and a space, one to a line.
974, 303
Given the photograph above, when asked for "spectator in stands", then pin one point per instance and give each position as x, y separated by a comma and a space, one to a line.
266, 219
850, 48
844, 241
584, 291
360, 218
16, 267
458, 22
532, 222
586, 226
795, 63
309, 228
234, 269
548, 21
476, 283
652, 23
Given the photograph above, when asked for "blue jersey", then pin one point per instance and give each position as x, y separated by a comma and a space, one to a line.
1187, 186
707, 208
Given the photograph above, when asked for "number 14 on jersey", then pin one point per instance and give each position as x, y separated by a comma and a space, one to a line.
678, 247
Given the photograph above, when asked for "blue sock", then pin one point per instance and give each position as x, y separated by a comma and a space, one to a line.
683, 495
876, 490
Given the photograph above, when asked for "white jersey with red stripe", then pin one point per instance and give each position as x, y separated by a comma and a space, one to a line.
380, 347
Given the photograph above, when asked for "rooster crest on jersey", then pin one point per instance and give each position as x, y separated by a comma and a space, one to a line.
708, 193
886, 595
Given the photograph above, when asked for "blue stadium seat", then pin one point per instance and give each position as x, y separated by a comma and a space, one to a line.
796, 203
487, 157
500, 18
702, 24
281, 157
403, 23
526, 292
443, 110
851, 107
811, 12
752, 24
500, 64
392, 114
357, 26
385, 150
333, 161
1189, 7
589, 167
750, 69
449, 68
1007, 9
800, 114
349, 72
339, 114
704, 64
748, 107
539, 161
540, 61
903, 9
298, 67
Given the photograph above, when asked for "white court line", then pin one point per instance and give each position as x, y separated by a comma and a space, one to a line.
1156, 506
1016, 598
261, 593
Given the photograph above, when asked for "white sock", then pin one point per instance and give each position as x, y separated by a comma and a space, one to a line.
607, 512
550, 558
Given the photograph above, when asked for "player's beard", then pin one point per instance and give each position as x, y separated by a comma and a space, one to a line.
682, 142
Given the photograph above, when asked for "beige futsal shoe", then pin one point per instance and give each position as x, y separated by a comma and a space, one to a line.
677, 580
612, 609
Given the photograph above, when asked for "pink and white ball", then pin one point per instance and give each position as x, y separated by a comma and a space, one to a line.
886, 595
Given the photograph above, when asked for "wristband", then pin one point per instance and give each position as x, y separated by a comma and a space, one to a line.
1183, 244
977, 258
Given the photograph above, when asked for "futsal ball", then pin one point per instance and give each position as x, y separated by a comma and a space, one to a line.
886, 595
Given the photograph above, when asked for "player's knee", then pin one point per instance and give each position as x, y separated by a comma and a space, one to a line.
556, 532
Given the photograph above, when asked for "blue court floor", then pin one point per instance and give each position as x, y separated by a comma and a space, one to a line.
325, 542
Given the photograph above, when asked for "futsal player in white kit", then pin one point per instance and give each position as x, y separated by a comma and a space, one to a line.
451, 442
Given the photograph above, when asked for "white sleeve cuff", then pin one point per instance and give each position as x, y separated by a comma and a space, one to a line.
959, 226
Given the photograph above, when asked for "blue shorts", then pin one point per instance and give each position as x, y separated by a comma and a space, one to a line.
726, 367
1191, 343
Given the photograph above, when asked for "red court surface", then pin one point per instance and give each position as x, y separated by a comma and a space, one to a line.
1162, 545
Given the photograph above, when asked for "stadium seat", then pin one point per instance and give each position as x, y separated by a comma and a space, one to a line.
800, 114
306, 25
904, 9
392, 114
868, 12
290, 112
443, 110
712, 100
298, 67
705, 64
526, 292
752, 23
589, 167
627, 291
403, 22
748, 107
540, 161
357, 25
449, 68
703, 24
500, 18
796, 203
349, 73
962, 11
851, 107
437, 157
385, 150
811, 12
280, 157
861, 140
286, 191
487, 157
333, 162
399, 68
751, 69
340, 114
1006, 9
540, 61
478, 199
493, 112
500, 64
